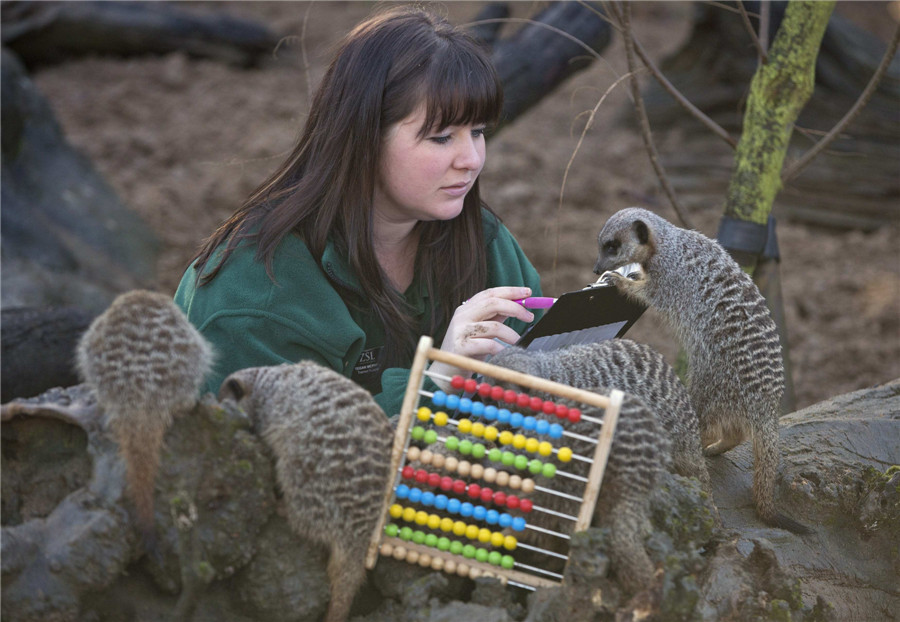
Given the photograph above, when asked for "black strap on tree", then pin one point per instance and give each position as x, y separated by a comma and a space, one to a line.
748, 241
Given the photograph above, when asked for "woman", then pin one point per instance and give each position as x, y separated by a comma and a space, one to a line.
372, 233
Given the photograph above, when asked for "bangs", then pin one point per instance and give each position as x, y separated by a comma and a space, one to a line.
460, 88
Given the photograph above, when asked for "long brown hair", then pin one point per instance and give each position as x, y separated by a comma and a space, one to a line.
383, 70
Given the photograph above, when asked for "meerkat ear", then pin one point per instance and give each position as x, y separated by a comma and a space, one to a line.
641, 231
232, 388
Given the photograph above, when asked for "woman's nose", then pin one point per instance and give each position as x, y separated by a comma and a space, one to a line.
471, 154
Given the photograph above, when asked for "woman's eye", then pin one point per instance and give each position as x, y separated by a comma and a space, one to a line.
478, 132
441, 140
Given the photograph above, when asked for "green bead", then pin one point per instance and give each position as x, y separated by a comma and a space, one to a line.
406, 533
469, 551
481, 555
431, 540
391, 530
418, 537
456, 547
465, 447
418, 433
549, 470
521, 462
452, 443
443, 544
430, 437
508, 458
495, 455
495, 557
535, 466
508, 562
478, 451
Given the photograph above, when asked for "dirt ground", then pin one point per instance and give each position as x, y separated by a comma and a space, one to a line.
183, 141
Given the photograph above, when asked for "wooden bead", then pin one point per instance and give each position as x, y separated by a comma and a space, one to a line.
426, 456
515, 482
450, 464
502, 478
412, 454
477, 471
387, 549
425, 560
528, 485
400, 552
450, 566
490, 475
462, 570
464, 468
412, 557
437, 563
474, 573
437, 460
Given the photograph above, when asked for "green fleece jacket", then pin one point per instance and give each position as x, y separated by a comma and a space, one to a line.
252, 321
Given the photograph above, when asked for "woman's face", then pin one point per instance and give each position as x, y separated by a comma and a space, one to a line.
427, 178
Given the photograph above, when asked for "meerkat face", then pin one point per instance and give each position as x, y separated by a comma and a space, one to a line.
627, 237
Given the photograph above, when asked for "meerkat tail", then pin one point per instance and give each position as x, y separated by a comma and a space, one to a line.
346, 573
141, 464
765, 466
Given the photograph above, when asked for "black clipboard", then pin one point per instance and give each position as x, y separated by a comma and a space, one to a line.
592, 314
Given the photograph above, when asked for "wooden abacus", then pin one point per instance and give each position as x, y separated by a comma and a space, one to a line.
489, 547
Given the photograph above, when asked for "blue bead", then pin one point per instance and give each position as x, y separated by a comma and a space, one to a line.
503, 415
529, 423
515, 420
477, 408
452, 402
402, 491
453, 506
415, 495
440, 502
439, 398
465, 405
479, 512
505, 520
518, 524
492, 517
428, 498
542, 427
490, 412
466, 509
556, 430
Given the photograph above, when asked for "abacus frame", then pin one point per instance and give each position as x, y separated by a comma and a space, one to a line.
425, 353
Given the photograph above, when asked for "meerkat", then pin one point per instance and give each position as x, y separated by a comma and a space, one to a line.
736, 371
331, 443
630, 367
145, 362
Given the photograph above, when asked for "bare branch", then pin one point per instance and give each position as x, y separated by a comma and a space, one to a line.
624, 17
863, 99
576, 40
760, 50
764, 13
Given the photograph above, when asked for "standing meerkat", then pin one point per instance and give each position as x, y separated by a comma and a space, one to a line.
630, 367
736, 372
332, 447
145, 362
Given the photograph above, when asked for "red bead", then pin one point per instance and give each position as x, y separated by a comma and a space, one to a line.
536, 403
512, 502
446, 483
421, 476
434, 479
549, 408
496, 393
470, 385
522, 400
486, 495
484, 389
509, 396
459, 486
526, 505
474, 491
408, 472
574, 415
457, 382
562, 410
500, 497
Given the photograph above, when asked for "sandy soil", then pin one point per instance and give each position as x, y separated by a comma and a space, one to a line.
183, 141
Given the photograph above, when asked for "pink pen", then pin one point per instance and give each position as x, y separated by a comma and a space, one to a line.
536, 302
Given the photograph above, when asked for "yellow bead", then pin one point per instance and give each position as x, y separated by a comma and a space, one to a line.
510, 543
472, 532
396, 510
459, 528
506, 437
434, 521
491, 433
564, 454
497, 539
446, 524
478, 429
424, 413
545, 449
519, 441
531, 445
409, 514
484, 535
440, 418
464, 425
421, 517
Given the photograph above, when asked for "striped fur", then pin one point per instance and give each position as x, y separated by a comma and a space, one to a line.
331, 443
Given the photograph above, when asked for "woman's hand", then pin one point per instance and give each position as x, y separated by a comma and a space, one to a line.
478, 322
